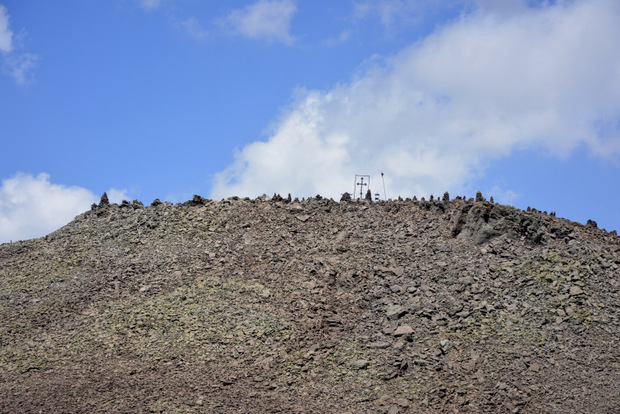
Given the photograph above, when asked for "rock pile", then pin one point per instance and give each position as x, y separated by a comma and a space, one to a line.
276, 305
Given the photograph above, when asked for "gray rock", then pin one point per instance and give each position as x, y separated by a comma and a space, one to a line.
395, 312
396, 288
104, 202
575, 291
485, 233
403, 402
403, 330
360, 364
445, 345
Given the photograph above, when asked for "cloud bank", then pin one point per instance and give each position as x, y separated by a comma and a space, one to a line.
494, 81
265, 19
32, 206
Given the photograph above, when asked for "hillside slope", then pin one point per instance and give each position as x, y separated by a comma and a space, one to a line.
269, 305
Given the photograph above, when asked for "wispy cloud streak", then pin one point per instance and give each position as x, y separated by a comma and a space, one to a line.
265, 19
14, 63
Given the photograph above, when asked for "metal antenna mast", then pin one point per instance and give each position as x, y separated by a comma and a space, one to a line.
384, 194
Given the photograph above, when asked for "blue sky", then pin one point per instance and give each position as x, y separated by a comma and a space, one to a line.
165, 99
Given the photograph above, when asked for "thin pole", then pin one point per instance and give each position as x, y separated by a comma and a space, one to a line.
384, 194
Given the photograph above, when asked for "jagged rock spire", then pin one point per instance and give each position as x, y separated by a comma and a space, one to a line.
104, 202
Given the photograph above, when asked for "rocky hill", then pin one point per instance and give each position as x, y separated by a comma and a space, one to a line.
273, 305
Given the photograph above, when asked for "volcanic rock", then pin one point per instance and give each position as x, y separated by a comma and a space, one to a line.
276, 305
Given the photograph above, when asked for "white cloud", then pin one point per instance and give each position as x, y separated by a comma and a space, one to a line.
343, 37
430, 117
501, 195
265, 19
6, 35
18, 66
194, 29
150, 5
393, 13
32, 206
387, 10
15, 64
117, 196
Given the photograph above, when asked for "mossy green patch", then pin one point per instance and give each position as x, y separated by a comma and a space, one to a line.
195, 320
43, 273
22, 359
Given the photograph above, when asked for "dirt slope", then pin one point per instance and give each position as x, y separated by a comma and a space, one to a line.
265, 306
